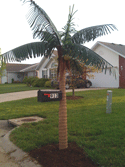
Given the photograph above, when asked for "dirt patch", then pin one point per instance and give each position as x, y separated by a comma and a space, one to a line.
73, 156
73, 97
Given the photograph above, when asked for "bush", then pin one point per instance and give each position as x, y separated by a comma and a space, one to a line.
12, 80
30, 80
40, 82
35, 81
47, 84
25, 80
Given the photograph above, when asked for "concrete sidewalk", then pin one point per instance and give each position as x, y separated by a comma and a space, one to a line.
11, 155
5, 160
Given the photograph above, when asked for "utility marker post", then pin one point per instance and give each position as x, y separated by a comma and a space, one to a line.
109, 102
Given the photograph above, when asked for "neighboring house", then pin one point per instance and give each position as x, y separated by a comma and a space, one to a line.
115, 55
13, 72
44, 69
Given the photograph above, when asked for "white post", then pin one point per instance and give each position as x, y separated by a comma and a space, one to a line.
109, 102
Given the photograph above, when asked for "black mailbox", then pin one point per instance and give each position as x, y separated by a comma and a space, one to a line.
49, 95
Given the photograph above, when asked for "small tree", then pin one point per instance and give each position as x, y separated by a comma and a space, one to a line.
68, 44
79, 69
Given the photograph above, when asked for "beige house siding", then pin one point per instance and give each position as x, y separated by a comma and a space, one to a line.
102, 79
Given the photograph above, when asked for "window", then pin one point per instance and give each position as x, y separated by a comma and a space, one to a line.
53, 73
53, 65
44, 73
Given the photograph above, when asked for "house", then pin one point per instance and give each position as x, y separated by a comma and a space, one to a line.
115, 55
17, 72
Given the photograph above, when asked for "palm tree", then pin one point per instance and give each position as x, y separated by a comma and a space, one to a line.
69, 46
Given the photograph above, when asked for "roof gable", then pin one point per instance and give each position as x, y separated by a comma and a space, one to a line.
116, 48
46, 60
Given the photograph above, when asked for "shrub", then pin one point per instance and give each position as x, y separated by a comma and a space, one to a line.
34, 84
12, 80
47, 84
33, 79
40, 82
25, 80
30, 80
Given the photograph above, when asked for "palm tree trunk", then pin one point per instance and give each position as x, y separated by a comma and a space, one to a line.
63, 139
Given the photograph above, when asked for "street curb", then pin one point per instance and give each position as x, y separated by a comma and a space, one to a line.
21, 157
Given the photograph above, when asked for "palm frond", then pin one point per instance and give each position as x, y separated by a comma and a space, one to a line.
90, 33
40, 22
30, 50
69, 27
86, 55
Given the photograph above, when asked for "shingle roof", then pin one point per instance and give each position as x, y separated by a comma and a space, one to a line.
30, 68
118, 48
16, 67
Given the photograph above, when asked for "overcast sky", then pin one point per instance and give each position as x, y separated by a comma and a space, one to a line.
15, 31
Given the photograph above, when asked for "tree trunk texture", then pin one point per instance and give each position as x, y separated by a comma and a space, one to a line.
63, 138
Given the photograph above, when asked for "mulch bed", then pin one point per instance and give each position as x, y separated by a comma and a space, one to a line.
73, 156
73, 97
51, 156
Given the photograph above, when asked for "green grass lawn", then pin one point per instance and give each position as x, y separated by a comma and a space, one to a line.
101, 135
8, 88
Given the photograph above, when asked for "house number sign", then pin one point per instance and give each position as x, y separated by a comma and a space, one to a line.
51, 95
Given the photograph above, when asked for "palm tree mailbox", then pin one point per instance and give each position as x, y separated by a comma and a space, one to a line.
69, 46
